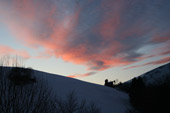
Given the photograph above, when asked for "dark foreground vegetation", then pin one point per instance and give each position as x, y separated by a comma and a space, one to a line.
150, 98
22, 92
146, 98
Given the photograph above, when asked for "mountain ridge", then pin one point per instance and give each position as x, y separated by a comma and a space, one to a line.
155, 75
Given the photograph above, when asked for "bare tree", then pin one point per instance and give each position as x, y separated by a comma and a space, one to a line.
73, 105
21, 92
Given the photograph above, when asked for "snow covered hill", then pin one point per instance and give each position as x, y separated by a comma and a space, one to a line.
155, 76
108, 99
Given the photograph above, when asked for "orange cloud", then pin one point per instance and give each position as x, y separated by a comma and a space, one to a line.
82, 75
111, 18
5, 50
98, 34
161, 39
161, 61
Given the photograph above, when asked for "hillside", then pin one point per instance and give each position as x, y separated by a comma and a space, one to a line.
157, 75
108, 99
149, 93
19, 85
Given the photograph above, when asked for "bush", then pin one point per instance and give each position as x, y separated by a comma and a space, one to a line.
150, 99
20, 76
73, 105
32, 98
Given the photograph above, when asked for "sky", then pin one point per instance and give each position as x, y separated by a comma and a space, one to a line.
90, 40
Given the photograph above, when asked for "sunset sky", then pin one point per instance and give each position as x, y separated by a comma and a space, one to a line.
91, 40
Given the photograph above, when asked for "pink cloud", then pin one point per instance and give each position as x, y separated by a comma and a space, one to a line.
111, 21
99, 36
82, 75
160, 39
161, 61
5, 50
164, 51
57, 40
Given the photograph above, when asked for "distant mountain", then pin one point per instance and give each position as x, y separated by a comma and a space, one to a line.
155, 76
149, 93
158, 75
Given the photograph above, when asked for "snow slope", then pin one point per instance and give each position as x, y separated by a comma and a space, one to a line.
155, 76
108, 99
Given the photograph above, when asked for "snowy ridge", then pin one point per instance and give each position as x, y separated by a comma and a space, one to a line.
157, 75
108, 99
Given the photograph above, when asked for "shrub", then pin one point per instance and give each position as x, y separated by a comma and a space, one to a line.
73, 105
32, 98
150, 99
20, 76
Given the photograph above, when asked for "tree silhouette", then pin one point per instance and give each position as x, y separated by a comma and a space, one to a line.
22, 92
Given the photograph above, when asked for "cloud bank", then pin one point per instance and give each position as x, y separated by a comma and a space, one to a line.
97, 33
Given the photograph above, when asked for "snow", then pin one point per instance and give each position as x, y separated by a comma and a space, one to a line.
155, 76
108, 99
